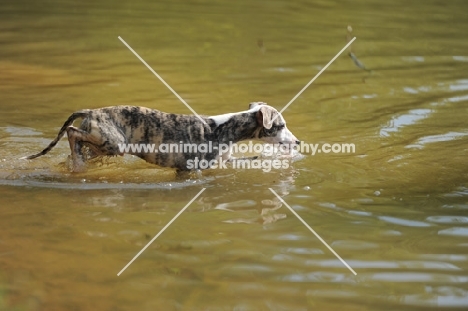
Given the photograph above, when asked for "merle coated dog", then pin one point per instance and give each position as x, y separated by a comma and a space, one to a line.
103, 131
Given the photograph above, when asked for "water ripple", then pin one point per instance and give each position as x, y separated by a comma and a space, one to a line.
415, 277
438, 138
448, 219
455, 231
384, 264
410, 118
404, 222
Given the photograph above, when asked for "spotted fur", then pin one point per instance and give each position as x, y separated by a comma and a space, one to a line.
102, 130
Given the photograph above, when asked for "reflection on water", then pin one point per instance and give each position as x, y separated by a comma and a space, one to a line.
440, 138
395, 211
411, 118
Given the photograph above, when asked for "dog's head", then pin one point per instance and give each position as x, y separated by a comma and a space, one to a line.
271, 125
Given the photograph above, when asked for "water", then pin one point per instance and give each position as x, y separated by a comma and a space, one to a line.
395, 211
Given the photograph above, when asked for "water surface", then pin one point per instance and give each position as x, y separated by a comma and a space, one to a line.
396, 211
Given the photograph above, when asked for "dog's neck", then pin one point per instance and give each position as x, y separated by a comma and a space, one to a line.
234, 127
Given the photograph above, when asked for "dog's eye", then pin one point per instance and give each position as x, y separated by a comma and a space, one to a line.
280, 127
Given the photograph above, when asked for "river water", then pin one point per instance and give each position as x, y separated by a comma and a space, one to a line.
396, 210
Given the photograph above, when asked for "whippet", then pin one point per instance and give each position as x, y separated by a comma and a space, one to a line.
104, 131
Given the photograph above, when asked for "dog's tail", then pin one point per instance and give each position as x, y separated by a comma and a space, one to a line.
73, 117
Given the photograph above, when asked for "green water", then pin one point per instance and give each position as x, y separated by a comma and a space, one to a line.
396, 210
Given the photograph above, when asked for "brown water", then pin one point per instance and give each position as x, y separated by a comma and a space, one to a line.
396, 211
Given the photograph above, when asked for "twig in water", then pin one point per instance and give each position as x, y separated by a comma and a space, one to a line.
351, 54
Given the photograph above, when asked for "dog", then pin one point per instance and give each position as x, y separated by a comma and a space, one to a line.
104, 131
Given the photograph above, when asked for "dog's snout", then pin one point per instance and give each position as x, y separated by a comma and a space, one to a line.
298, 142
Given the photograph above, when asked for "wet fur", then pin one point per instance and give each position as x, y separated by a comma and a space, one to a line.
102, 130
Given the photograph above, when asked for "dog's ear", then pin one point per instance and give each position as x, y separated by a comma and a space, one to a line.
255, 104
264, 116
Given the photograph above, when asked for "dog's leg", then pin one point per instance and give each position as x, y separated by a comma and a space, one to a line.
101, 141
92, 152
97, 144
229, 158
75, 139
